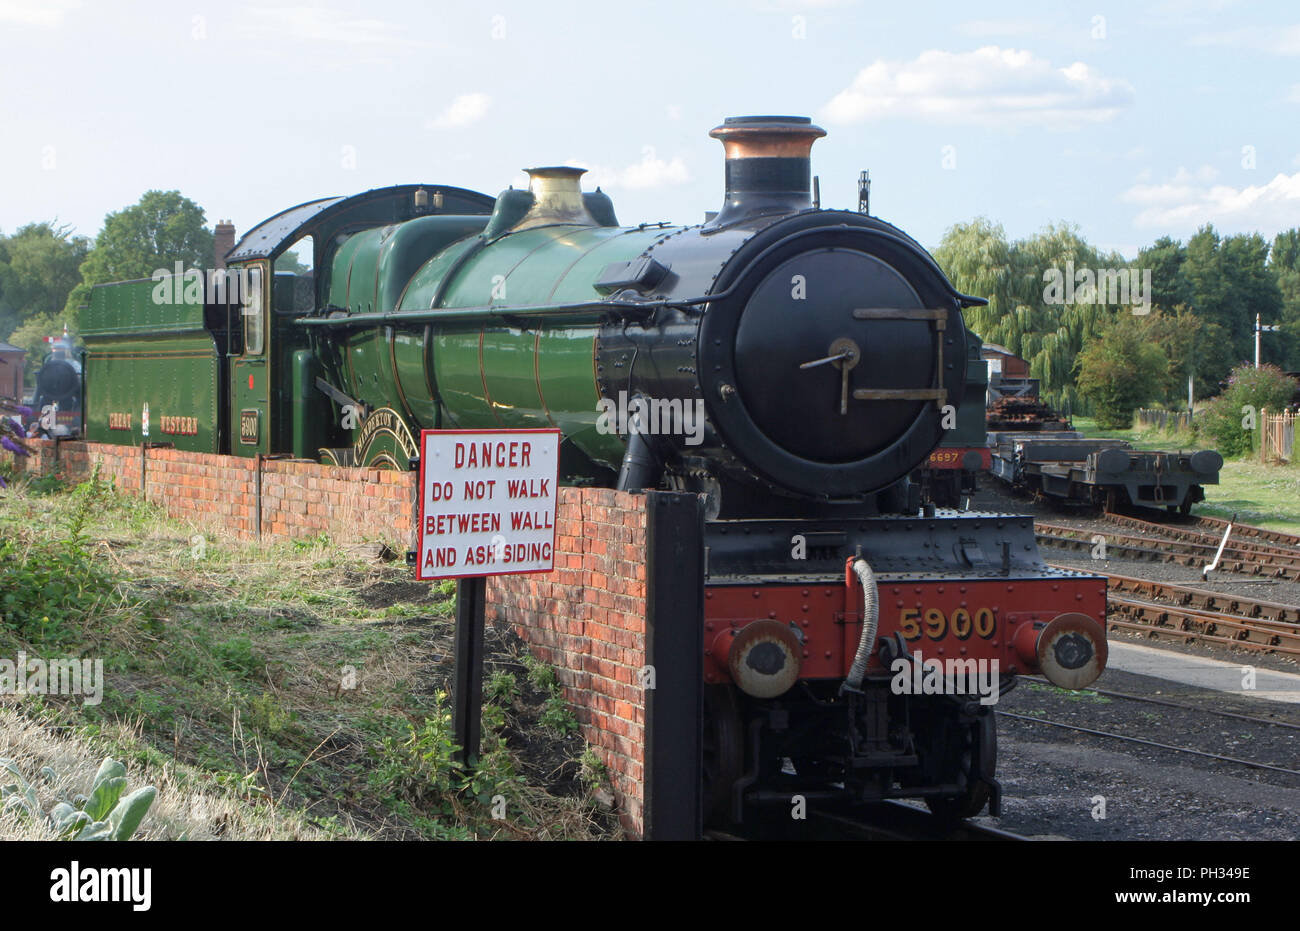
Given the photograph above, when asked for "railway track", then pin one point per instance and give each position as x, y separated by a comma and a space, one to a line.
1217, 525
895, 821
1183, 553
1142, 741
1166, 703
1189, 625
1220, 602
1203, 537
1186, 614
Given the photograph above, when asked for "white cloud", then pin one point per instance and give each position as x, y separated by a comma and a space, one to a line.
1189, 200
1283, 40
1203, 175
650, 171
313, 24
653, 171
465, 109
990, 85
1293, 93
47, 13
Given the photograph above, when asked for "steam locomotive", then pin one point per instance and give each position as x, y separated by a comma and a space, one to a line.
57, 401
792, 364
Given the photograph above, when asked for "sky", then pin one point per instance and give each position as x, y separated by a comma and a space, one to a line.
1130, 120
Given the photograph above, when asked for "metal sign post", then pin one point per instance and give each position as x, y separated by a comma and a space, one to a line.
487, 507
467, 689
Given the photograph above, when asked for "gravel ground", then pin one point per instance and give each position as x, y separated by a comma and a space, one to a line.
1051, 777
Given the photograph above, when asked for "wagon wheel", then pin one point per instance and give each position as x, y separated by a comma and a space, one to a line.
724, 751
978, 763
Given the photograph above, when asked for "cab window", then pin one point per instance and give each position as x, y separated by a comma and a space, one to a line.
295, 289
254, 319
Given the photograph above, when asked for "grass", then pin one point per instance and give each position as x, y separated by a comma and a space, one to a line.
1142, 439
1263, 495
1069, 694
288, 689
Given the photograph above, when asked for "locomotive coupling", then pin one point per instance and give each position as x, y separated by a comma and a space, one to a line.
1070, 650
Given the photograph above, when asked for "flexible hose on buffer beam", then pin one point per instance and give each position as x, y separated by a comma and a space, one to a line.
870, 621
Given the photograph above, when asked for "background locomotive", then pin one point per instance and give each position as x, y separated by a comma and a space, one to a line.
57, 399
953, 469
823, 348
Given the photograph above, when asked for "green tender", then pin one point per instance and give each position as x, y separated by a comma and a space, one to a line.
146, 344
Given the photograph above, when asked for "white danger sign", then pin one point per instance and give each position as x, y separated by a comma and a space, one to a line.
487, 502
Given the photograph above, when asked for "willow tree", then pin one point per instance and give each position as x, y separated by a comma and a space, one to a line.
1044, 328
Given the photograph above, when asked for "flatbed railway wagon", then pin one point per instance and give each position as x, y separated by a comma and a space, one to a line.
1110, 474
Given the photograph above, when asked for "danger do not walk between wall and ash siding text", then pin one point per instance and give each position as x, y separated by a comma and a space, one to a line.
487, 502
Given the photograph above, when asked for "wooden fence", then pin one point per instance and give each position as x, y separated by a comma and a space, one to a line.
1147, 418
1276, 436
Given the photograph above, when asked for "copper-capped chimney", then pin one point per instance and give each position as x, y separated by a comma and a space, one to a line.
768, 166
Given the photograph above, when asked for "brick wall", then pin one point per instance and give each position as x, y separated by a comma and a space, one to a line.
587, 618
299, 499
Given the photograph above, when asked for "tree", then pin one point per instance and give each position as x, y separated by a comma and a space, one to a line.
1228, 283
31, 334
38, 268
1021, 315
1231, 418
289, 262
1253, 287
162, 229
1121, 370
1165, 259
1284, 263
1194, 346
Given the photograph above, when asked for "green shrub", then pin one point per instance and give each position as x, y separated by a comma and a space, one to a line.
1232, 417
48, 588
502, 688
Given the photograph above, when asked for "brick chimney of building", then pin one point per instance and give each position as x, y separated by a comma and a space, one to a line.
223, 240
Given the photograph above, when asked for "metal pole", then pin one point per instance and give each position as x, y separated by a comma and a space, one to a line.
467, 691
1256, 340
257, 496
672, 682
